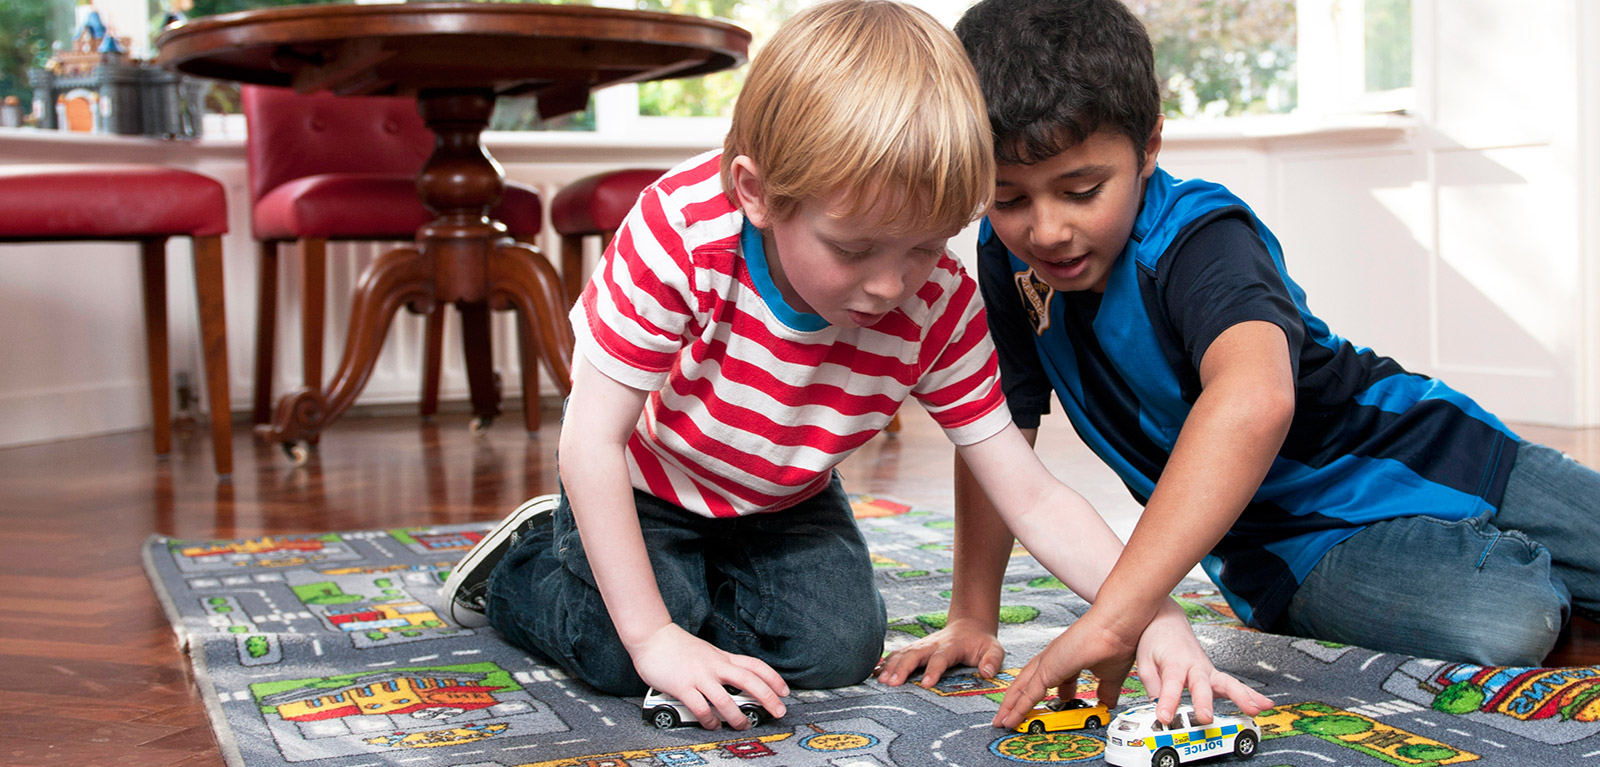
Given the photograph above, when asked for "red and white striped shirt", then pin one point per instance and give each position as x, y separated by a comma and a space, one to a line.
747, 414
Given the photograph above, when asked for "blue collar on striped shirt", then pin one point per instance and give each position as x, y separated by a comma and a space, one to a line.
755, 259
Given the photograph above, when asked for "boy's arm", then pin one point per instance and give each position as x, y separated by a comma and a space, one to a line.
599, 420
1227, 444
982, 551
1232, 434
1070, 539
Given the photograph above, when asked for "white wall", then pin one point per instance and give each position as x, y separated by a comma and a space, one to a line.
1463, 241
1463, 246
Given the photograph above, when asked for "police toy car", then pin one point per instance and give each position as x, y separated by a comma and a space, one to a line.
1136, 738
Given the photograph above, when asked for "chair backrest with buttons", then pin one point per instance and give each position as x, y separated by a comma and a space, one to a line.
294, 135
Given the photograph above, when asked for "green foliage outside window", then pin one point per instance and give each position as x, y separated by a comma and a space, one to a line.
712, 95
1388, 44
27, 28
1215, 57
1222, 57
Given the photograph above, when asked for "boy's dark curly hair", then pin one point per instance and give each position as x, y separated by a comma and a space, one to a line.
1055, 71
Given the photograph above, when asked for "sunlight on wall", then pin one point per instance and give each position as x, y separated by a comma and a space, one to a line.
1406, 204
1505, 229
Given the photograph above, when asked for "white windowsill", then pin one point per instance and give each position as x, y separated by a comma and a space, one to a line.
1271, 131
1242, 132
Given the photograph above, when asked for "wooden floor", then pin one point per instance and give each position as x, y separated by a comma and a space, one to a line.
89, 671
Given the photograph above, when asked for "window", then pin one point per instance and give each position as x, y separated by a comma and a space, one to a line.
1355, 56
1215, 58
1222, 58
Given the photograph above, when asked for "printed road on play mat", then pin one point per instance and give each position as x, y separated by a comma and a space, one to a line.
331, 648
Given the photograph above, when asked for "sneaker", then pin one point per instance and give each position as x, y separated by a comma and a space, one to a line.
467, 588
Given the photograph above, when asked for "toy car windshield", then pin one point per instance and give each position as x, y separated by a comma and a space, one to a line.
1066, 705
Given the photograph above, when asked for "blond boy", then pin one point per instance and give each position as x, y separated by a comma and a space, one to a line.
762, 313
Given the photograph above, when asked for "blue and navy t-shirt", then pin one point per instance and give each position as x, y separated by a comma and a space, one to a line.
1369, 441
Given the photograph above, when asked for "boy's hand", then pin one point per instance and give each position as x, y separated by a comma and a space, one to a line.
1170, 658
688, 668
1084, 645
961, 642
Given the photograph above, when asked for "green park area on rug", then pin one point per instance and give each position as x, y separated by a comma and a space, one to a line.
331, 648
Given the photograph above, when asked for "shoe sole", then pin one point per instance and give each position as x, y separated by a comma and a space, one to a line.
467, 618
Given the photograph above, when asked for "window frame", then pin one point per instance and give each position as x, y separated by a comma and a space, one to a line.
1330, 54
1331, 60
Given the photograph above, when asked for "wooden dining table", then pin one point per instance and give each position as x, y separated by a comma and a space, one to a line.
456, 59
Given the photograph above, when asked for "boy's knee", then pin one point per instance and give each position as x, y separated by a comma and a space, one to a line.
1511, 615
840, 656
609, 670
1518, 632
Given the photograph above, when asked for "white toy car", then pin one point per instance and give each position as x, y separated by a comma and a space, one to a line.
666, 712
1136, 738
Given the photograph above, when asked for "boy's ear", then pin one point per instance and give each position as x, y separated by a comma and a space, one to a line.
748, 191
1152, 147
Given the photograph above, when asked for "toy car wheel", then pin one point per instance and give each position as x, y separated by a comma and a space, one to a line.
1036, 727
1092, 722
754, 714
1166, 757
664, 718
1244, 746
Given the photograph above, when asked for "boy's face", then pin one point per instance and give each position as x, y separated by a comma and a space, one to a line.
1070, 216
849, 269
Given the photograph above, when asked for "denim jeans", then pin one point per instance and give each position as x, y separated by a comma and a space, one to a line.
1493, 590
794, 588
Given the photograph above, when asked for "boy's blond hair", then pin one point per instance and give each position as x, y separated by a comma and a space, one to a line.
871, 97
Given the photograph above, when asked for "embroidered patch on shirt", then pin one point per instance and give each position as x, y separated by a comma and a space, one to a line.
1036, 296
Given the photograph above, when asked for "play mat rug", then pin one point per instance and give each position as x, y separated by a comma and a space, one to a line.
330, 648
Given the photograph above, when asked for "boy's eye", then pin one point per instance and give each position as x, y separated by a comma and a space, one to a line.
1086, 194
1000, 204
851, 251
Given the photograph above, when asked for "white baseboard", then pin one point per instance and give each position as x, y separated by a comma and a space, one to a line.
31, 417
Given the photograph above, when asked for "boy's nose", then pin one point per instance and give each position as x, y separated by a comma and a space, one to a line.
1049, 231
885, 284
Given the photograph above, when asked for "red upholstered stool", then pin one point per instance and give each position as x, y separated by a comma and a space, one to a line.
326, 168
144, 204
593, 205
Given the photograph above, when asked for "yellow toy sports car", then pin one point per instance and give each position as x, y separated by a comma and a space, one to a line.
1057, 715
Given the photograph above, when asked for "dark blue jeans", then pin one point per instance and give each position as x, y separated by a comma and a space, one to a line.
1493, 590
794, 588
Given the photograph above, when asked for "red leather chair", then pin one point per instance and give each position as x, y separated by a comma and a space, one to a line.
145, 204
326, 168
593, 205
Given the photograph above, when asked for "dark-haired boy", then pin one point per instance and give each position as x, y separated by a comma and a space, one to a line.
1326, 490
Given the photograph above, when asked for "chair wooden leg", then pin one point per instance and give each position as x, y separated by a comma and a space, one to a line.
153, 283
475, 343
214, 345
528, 354
313, 299
432, 360
523, 278
266, 332
571, 267
400, 277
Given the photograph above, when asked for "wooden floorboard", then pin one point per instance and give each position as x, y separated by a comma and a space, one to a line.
90, 673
